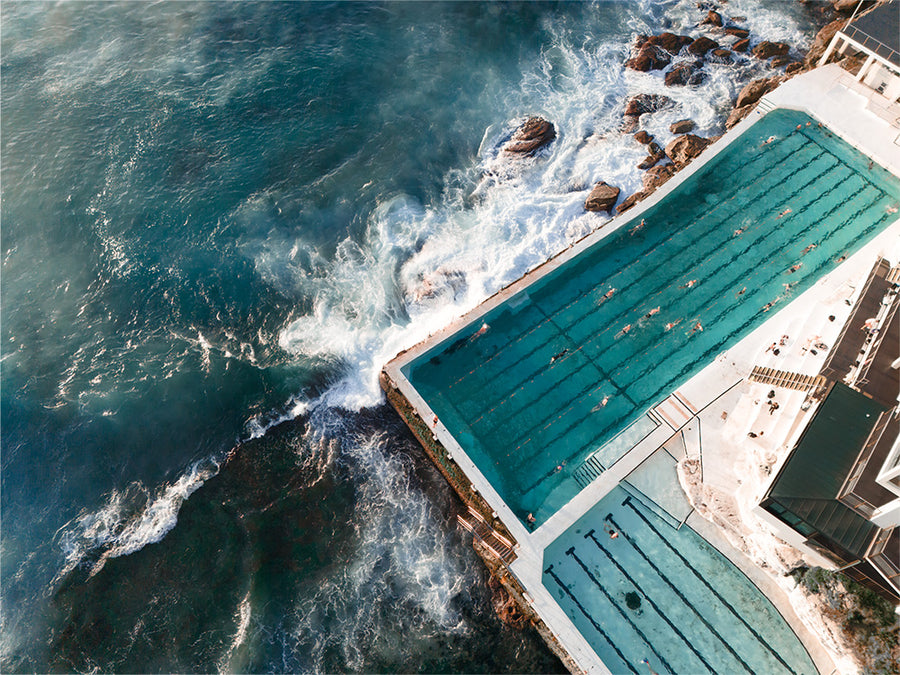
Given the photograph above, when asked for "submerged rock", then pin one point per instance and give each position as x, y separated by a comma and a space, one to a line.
643, 137
685, 73
737, 32
766, 49
602, 198
650, 57
535, 133
670, 42
646, 103
741, 45
682, 126
684, 148
702, 45
721, 55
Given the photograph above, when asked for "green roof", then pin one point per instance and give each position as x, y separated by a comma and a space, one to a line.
809, 482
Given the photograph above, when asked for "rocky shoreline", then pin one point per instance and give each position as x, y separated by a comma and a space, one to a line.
682, 58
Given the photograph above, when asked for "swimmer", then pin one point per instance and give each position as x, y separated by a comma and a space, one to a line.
784, 213
891, 209
672, 324
559, 355
799, 127
794, 268
808, 123
602, 404
808, 249
741, 292
637, 228
789, 286
626, 328
481, 331
738, 232
841, 259
697, 327
689, 284
769, 140
653, 311
609, 293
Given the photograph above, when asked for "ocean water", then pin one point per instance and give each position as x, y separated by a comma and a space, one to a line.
219, 220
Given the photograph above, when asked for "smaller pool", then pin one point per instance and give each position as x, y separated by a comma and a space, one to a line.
653, 597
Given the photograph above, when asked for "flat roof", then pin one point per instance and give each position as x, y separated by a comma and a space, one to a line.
879, 30
812, 477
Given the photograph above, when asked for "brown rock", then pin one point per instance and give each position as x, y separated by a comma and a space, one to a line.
650, 57
741, 45
794, 67
646, 103
654, 149
713, 18
650, 160
755, 90
766, 49
737, 32
820, 44
780, 61
684, 148
535, 133
628, 202
643, 137
682, 126
738, 114
602, 198
657, 176
721, 55
670, 42
684, 73
702, 45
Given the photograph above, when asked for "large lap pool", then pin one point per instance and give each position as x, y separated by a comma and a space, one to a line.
557, 370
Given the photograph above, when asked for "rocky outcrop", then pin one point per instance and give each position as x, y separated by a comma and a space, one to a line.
650, 57
669, 41
646, 103
720, 55
602, 198
655, 177
793, 68
820, 43
737, 32
651, 160
713, 18
643, 137
701, 45
766, 49
684, 148
755, 90
505, 606
682, 126
630, 201
534, 134
741, 45
738, 114
685, 73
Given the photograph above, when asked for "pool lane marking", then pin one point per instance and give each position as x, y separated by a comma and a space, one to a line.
621, 612
676, 591
590, 618
687, 564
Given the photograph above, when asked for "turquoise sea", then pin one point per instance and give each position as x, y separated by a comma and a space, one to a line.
219, 220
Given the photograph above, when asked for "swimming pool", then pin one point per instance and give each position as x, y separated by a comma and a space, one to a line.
664, 596
542, 381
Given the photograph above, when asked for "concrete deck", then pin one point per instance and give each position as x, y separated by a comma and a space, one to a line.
720, 391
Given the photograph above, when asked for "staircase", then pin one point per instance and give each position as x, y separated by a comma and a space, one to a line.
495, 542
787, 379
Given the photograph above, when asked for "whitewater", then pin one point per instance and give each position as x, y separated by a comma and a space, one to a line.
219, 222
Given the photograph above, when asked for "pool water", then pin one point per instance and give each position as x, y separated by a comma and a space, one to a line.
663, 595
548, 377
